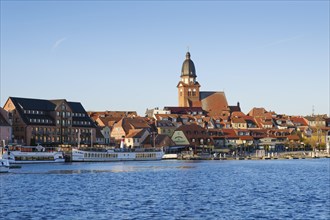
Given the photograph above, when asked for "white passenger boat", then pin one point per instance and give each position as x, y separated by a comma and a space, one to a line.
4, 166
116, 155
32, 154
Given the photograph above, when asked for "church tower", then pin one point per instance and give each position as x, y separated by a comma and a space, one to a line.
188, 87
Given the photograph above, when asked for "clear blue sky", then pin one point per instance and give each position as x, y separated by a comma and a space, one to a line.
112, 55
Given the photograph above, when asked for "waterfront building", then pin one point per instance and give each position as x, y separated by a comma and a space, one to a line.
133, 130
105, 125
135, 137
39, 121
5, 127
193, 135
100, 139
158, 141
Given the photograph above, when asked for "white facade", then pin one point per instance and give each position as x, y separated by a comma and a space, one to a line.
152, 112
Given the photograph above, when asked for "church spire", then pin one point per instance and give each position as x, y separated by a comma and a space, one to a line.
188, 67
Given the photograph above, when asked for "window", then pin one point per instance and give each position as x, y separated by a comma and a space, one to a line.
189, 92
194, 92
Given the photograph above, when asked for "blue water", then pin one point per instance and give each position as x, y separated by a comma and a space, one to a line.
280, 189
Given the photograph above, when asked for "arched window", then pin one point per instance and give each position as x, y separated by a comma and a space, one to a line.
194, 92
189, 92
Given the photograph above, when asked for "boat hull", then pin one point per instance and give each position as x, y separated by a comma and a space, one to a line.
112, 156
18, 157
4, 166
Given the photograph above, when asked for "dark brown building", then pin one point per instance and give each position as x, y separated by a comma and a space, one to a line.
49, 122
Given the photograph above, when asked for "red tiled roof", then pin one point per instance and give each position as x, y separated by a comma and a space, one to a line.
215, 103
237, 114
238, 120
293, 137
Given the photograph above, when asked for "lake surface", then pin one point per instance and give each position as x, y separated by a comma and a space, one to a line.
272, 189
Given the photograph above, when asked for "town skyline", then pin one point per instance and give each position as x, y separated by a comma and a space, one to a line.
128, 56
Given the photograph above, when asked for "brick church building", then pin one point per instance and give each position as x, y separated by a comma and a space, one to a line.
189, 94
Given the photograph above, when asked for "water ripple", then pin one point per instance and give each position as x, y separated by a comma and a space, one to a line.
295, 189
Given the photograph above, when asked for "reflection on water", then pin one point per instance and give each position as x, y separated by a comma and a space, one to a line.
103, 169
295, 189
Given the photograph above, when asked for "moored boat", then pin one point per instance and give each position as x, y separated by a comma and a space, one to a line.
32, 154
4, 166
79, 155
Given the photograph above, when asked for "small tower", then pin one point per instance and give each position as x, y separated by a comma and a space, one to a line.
188, 87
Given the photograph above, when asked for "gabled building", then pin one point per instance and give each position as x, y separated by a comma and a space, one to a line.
192, 135
158, 141
165, 127
122, 128
49, 121
135, 137
238, 123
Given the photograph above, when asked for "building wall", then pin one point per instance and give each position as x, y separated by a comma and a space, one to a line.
106, 131
185, 93
61, 130
5, 134
117, 132
179, 138
239, 125
166, 130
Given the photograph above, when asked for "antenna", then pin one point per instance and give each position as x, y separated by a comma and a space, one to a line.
313, 110
187, 48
